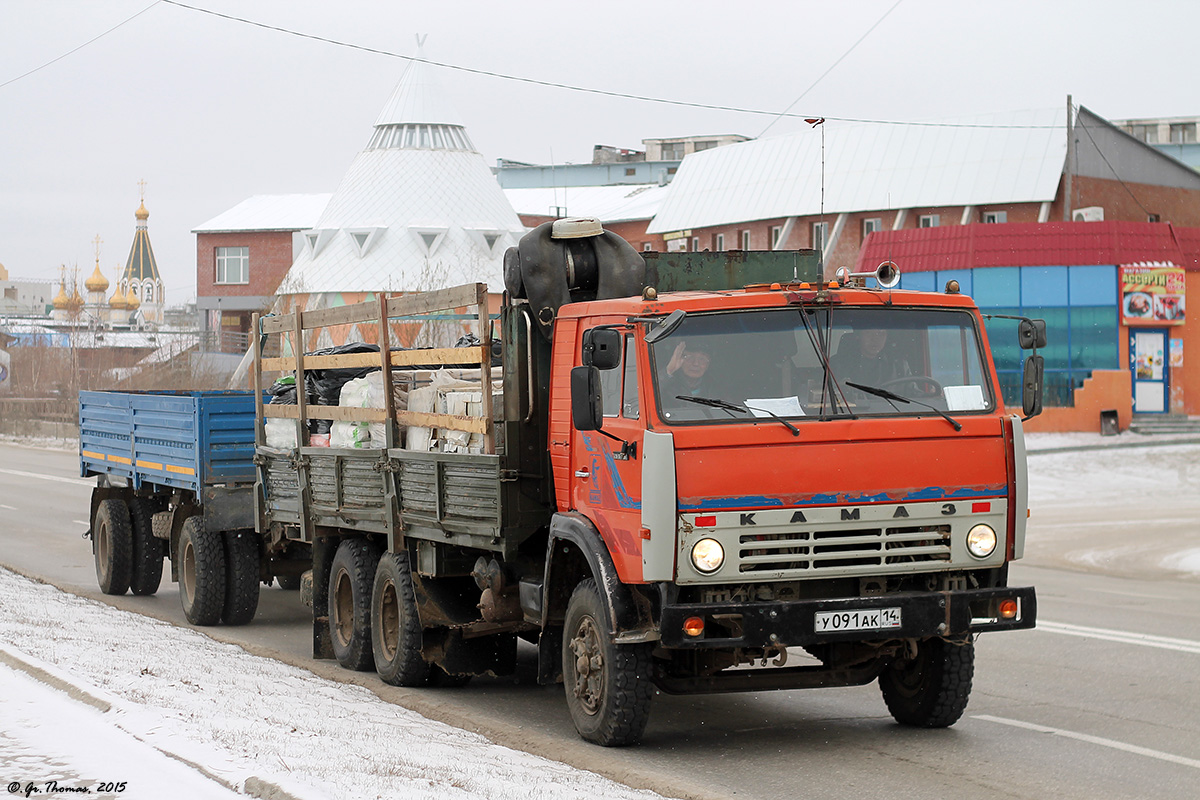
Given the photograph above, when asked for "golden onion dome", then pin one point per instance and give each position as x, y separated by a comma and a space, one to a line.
117, 300
96, 283
142, 213
61, 300
75, 302
131, 300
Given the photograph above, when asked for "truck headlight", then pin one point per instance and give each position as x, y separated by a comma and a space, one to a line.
708, 555
981, 541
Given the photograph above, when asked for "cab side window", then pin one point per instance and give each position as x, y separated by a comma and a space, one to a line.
629, 407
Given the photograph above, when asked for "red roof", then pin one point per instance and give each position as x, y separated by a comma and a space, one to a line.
1031, 244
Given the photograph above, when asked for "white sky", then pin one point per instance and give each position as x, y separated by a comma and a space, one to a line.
210, 112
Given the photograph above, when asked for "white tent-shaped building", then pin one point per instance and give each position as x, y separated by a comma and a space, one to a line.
419, 209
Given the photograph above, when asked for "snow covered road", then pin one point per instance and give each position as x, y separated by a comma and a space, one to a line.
254, 723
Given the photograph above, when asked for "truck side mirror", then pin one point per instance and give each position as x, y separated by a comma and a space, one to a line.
602, 348
1031, 386
1032, 333
587, 407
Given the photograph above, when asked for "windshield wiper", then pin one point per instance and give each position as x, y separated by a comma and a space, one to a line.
886, 395
727, 406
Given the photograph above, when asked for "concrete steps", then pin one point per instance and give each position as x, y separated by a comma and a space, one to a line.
1164, 424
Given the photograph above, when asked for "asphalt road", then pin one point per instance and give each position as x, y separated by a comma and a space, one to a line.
1101, 701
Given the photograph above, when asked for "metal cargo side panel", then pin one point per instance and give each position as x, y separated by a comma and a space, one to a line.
227, 437
282, 489
166, 439
449, 492
348, 487
105, 434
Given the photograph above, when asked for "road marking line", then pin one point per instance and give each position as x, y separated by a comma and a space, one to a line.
10, 508
82, 522
1083, 737
1113, 523
1124, 637
20, 474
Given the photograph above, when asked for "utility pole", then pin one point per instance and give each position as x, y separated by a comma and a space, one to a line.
1067, 188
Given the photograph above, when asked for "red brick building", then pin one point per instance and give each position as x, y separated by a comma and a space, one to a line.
242, 255
832, 189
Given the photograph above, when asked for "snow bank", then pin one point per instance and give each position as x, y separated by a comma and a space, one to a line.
238, 714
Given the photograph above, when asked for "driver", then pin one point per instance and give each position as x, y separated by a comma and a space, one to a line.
864, 357
688, 369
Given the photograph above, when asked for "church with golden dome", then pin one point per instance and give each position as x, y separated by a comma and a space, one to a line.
139, 289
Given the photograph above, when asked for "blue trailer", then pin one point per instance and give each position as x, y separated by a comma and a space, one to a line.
176, 478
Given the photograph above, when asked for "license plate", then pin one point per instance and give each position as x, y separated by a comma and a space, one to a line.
862, 619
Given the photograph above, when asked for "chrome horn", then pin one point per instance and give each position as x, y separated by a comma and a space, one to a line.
887, 274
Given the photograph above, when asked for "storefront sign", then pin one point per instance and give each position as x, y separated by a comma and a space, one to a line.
4, 369
1152, 294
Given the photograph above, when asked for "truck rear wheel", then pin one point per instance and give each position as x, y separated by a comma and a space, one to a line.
932, 689
241, 577
608, 686
351, 578
395, 626
147, 569
112, 544
201, 572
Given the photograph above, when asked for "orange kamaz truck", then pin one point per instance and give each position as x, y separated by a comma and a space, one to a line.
687, 473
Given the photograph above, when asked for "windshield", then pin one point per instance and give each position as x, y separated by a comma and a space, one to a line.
770, 363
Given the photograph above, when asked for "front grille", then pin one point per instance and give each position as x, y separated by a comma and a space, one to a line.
814, 551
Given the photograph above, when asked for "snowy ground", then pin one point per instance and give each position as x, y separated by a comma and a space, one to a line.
178, 698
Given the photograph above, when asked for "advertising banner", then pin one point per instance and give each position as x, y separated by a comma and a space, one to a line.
5, 366
1152, 294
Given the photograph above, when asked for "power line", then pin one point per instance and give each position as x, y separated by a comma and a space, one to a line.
831, 68
584, 89
1110, 166
80, 47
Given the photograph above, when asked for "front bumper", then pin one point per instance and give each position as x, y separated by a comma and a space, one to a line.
922, 615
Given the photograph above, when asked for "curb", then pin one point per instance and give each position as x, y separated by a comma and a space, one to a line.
1122, 446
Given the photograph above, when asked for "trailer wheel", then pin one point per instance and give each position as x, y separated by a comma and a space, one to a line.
351, 578
241, 577
395, 626
113, 546
147, 550
932, 689
608, 686
201, 572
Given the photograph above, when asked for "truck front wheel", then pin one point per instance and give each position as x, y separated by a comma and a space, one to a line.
113, 546
395, 626
930, 690
201, 572
608, 686
351, 578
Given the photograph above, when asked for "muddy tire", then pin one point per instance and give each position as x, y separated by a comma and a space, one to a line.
395, 626
608, 687
931, 690
201, 572
351, 580
112, 545
241, 577
146, 575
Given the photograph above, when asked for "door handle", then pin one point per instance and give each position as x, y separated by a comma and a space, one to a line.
582, 473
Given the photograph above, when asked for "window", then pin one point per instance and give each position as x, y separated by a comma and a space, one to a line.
629, 401
1153, 218
776, 232
647, 246
630, 171
719, 242
871, 225
1183, 133
233, 265
1147, 133
745, 240
618, 387
704, 146
149, 298
695, 244
820, 234
671, 170
990, 217
672, 151
928, 220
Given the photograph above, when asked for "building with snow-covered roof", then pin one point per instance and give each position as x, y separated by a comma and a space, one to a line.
242, 255
624, 209
832, 186
418, 209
